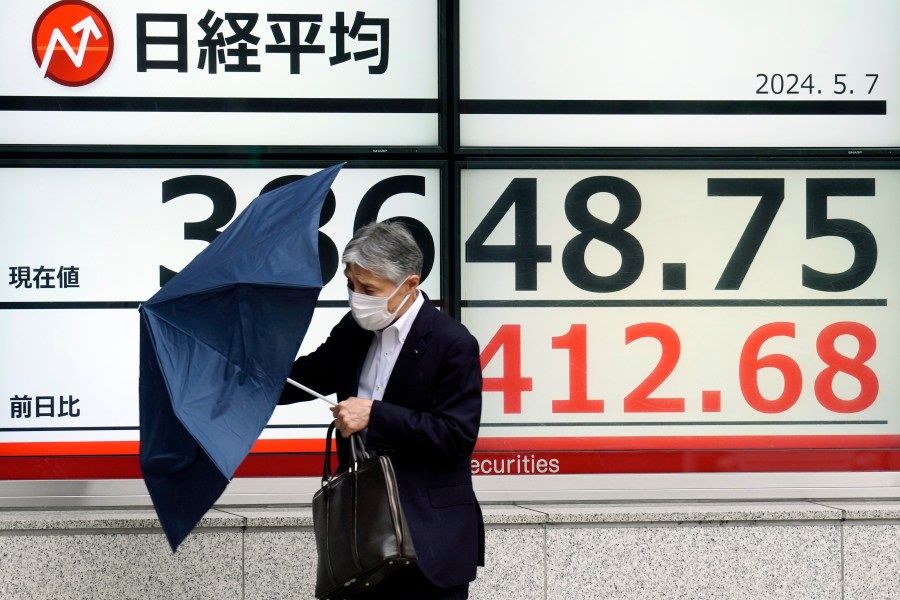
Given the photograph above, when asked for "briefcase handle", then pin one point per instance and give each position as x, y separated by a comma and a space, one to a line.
357, 450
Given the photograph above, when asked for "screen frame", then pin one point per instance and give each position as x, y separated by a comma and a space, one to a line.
266, 488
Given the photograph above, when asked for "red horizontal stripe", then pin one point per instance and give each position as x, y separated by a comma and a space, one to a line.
569, 462
133, 448
67, 448
524, 444
732, 442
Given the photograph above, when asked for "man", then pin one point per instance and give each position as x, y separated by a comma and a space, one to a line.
409, 377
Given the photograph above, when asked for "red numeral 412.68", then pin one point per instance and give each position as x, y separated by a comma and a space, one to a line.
512, 383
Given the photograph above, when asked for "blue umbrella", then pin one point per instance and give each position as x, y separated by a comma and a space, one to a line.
217, 343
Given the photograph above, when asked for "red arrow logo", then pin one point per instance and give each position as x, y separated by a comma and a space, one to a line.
63, 27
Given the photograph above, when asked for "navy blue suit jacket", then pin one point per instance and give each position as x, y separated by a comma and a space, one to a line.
427, 423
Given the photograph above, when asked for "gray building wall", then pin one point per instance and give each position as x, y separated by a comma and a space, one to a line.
842, 550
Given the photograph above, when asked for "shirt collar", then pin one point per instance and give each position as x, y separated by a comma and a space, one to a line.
404, 323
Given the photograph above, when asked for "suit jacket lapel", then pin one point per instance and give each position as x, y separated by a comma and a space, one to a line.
413, 348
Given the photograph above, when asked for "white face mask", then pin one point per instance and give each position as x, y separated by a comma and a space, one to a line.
371, 312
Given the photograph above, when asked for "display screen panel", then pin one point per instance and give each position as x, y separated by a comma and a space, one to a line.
83, 247
226, 74
686, 319
655, 74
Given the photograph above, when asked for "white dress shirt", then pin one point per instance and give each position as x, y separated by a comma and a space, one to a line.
383, 352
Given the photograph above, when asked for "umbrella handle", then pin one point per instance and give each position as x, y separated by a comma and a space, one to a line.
310, 391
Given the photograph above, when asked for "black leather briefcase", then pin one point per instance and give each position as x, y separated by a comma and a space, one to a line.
361, 533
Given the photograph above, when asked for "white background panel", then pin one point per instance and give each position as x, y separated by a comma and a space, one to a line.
411, 71
89, 354
113, 225
679, 223
407, 55
696, 50
710, 342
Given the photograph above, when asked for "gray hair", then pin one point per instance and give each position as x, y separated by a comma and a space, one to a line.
386, 249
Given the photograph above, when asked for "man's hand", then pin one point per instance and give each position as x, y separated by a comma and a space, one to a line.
352, 415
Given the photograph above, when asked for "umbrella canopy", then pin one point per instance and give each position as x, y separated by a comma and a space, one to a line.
217, 343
